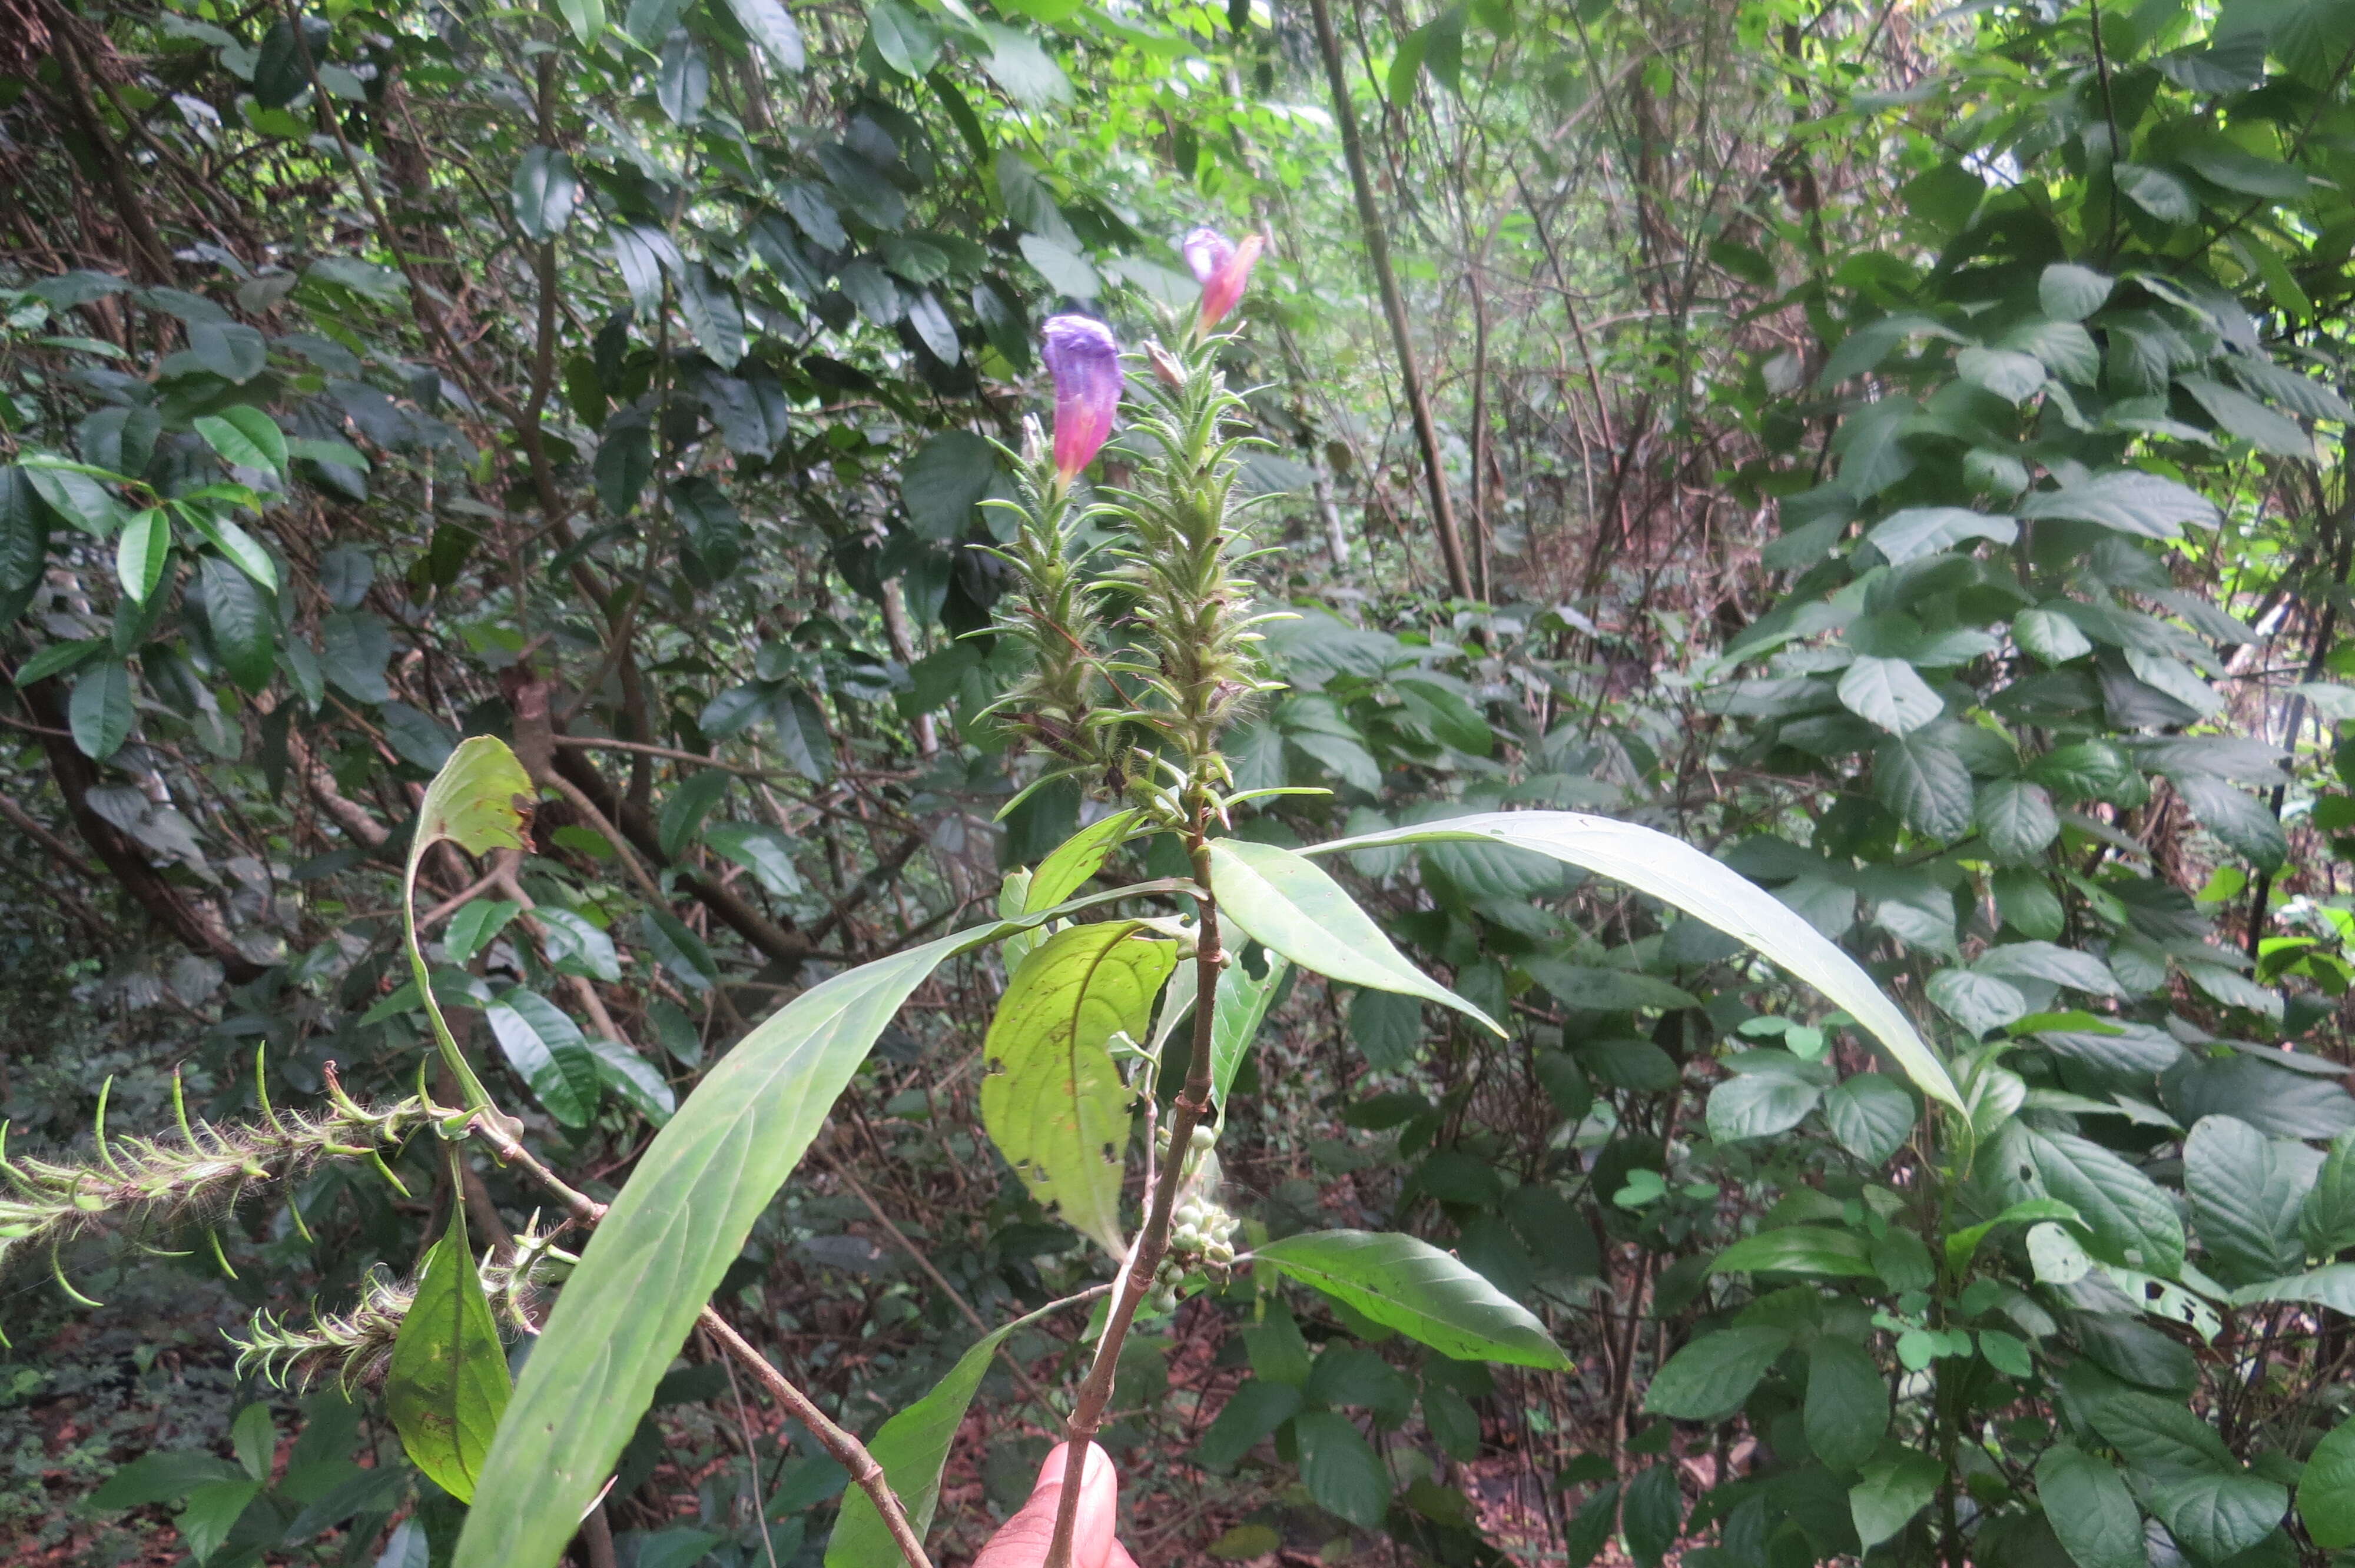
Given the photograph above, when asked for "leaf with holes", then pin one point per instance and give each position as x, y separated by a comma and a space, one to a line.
1051, 1098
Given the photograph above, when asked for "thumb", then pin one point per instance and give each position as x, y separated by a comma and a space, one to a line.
1025, 1540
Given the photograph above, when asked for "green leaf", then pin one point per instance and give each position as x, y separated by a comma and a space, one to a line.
481, 801
1670, 870
682, 813
2238, 414
1922, 778
942, 484
2245, 823
447, 1382
1710, 1378
1252, 1412
1760, 1105
2245, 1191
1426, 1294
1242, 1003
678, 949
2156, 192
1846, 1411
229, 350
2015, 819
1073, 862
531, 1031
99, 712
2089, 1507
1892, 1492
2129, 502
354, 647
77, 497
1979, 1003
24, 542
712, 314
1653, 1512
235, 543
475, 926
245, 437
671, 1233
764, 850
254, 1439
2220, 1515
1870, 1116
907, 40
1919, 531
2070, 293
140, 552
1291, 907
243, 629
2326, 1218
2160, 1438
912, 1447
1386, 1027
2326, 1491
1051, 1096
2049, 635
577, 948
1891, 694
212, 1512
2131, 1222
634, 1079
542, 193
585, 18
1341, 1468
1797, 1249
768, 24
166, 1476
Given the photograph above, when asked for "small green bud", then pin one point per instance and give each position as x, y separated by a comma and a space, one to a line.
1204, 1137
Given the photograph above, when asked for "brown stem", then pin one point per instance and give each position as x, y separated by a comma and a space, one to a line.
1192, 1106
847, 1451
1378, 254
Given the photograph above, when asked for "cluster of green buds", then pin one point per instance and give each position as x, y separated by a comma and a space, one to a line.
1201, 1227
1137, 665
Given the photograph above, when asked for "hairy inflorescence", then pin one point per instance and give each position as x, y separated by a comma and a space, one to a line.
358, 1344
157, 1183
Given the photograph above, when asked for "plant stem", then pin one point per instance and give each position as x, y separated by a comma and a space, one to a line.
1377, 255
1192, 1107
847, 1450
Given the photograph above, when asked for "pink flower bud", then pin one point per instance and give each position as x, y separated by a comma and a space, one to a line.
1085, 362
1223, 267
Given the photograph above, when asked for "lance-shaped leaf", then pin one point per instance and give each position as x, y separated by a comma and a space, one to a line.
1052, 1098
447, 1385
1426, 1294
912, 1446
1678, 873
481, 801
1289, 904
669, 1236
1242, 1004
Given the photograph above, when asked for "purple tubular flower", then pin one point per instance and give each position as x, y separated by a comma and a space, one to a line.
1085, 362
1223, 267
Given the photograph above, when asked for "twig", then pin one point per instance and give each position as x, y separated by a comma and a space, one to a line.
847, 1451
604, 743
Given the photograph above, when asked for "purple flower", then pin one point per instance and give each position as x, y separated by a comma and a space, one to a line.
1223, 267
1085, 362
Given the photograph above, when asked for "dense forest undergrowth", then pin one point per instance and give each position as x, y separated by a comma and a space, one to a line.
552, 558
